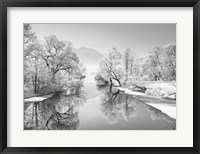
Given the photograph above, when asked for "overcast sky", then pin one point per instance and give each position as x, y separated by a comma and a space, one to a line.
139, 37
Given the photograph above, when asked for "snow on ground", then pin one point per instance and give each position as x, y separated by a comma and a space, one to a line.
128, 91
160, 84
158, 88
166, 106
38, 98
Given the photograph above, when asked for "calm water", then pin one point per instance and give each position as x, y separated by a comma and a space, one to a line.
95, 109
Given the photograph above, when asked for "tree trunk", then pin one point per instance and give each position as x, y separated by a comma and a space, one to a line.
118, 81
131, 69
38, 86
111, 84
53, 78
35, 84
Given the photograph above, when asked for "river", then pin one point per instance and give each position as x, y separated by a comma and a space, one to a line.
94, 108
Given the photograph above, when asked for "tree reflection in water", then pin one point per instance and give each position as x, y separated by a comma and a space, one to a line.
57, 113
61, 112
116, 104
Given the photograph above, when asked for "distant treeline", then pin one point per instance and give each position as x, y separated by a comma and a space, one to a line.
125, 68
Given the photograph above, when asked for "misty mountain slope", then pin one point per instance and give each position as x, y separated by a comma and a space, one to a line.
88, 56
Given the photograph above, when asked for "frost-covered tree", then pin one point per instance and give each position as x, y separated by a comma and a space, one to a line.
130, 63
111, 68
29, 46
119, 70
170, 61
58, 56
161, 63
50, 65
127, 61
32, 58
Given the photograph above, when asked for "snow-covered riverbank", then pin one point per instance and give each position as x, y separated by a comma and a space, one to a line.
38, 98
162, 89
165, 105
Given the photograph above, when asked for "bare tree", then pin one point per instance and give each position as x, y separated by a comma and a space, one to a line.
29, 38
111, 67
59, 56
127, 61
161, 63
30, 45
170, 60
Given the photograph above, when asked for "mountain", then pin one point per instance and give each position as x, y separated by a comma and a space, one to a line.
88, 56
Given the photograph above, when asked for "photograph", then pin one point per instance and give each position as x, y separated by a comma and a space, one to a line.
99, 76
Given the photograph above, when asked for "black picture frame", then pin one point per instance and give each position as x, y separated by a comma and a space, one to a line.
4, 4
